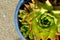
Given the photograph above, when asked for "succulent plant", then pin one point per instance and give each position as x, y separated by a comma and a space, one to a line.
39, 20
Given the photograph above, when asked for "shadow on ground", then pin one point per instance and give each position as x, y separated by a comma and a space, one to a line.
18, 39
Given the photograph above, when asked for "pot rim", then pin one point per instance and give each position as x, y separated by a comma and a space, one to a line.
21, 2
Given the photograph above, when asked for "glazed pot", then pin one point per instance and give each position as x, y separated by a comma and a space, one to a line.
21, 2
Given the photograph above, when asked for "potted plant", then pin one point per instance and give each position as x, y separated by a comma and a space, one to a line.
38, 19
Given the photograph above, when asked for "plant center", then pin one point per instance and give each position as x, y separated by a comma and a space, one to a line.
45, 21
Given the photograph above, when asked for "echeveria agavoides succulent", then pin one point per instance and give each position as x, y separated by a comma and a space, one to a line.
39, 21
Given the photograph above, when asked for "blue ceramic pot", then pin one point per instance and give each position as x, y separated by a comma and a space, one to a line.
21, 2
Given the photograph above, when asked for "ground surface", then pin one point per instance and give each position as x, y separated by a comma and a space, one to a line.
7, 28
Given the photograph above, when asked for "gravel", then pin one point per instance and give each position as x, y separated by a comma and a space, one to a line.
7, 27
